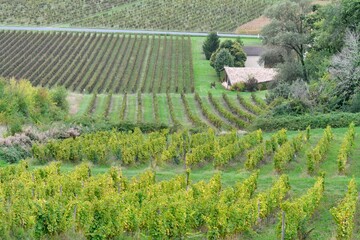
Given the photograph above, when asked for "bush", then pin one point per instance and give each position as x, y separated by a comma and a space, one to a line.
239, 86
335, 120
58, 95
251, 84
292, 107
14, 127
355, 103
13, 154
262, 86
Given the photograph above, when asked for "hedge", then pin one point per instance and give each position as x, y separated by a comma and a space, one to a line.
335, 120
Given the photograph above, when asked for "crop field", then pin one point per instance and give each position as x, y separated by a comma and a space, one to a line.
220, 112
179, 15
46, 12
238, 187
200, 15
97, 63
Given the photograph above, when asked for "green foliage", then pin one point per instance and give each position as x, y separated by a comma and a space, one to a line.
58, 95
299, 210
344, 212
199, 16
249, 106
317, 154
237, 109
227, 114
355, 103
22, 103
235, 49
287, 152
290, 107
289, 32
259, 101
335, 119
222, 59
256, 155
239, 86
345, 71
211, 44
251, 84
46, 203
13, 154
88, 62
213, 118
345, 149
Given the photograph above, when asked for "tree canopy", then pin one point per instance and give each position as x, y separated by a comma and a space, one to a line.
211, 44
288, 30
235, 49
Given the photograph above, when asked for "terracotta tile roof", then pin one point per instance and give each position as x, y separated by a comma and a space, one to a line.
242, 74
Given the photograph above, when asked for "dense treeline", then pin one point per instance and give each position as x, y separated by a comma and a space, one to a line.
316, 54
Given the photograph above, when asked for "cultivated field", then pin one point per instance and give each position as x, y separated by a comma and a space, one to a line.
46, 12
220, 112
234, 186
180, 15
85, 62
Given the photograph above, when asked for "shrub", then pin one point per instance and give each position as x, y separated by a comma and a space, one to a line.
262, 86
355, 103
251, 84
58, 95
335, 120
292, 107
239, 86
13, 154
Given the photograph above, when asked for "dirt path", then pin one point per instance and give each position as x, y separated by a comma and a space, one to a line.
254, 26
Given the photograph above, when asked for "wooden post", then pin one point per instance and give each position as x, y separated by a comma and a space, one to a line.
283, 226
259, 209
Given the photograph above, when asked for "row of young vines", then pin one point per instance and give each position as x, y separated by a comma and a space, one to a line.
98, 62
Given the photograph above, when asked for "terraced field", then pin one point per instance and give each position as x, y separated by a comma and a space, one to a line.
181, 15
220, 112
97, 63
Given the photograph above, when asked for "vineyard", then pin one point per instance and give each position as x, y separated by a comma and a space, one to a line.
97, 63
180, 15
220, 112
200, 15
246, 195
45, 12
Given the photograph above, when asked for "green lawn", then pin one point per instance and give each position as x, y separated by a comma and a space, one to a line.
164, 113
131, 108
100, 106
114, 114
148, 108
204, 74
84, 105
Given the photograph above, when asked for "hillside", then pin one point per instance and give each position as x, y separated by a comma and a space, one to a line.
177, 15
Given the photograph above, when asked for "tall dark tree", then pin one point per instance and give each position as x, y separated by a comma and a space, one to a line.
288, 30
211, 44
